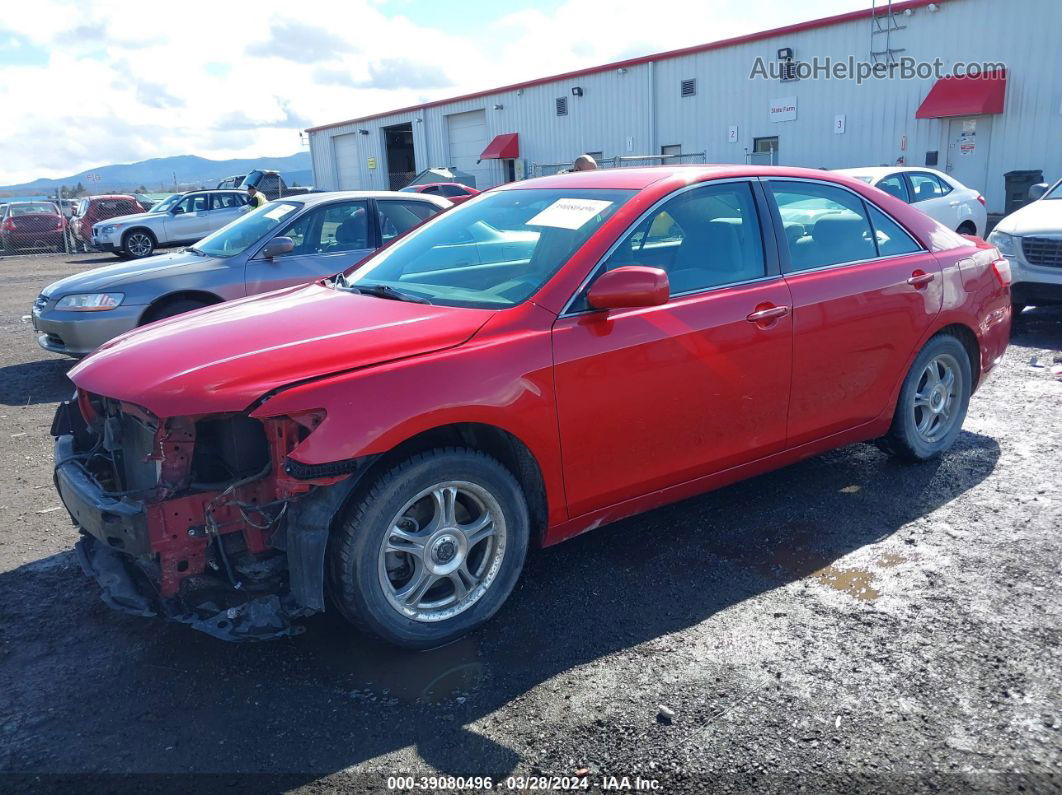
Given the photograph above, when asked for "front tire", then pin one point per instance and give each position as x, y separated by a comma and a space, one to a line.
933, 401
176, 306
431, 549
138, 243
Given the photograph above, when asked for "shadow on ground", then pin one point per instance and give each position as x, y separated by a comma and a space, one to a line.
1038, 327
92, 690
43, 381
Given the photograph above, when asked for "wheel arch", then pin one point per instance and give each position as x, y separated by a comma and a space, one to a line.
147, 229
968, 338
208, 299
509, 450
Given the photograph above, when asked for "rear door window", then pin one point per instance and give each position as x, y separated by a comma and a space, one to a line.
925, 186
824, 224
397, 216
894, 185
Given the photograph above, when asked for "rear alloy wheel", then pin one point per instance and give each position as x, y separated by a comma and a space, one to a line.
933, 401
432, 550
138, 244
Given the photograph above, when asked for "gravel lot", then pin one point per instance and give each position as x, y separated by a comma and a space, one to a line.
845, 624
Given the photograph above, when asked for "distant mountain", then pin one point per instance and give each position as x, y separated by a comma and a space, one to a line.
158, 174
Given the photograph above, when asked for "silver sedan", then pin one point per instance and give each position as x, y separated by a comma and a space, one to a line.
283, 243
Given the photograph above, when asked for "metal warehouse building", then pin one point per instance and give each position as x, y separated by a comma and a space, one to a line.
702, 103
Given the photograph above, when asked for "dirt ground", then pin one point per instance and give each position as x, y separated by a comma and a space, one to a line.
846, 624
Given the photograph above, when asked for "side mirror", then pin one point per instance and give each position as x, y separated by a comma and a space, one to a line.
277, 247
628, 287
1038, 190
178, 210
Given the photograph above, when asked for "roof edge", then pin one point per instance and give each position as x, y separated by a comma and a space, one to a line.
797, 27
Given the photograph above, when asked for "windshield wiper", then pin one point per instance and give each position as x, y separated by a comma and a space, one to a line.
383, 291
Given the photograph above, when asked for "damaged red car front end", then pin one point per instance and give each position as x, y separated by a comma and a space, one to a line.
182, 517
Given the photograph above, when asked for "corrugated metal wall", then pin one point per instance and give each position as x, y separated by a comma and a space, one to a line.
641, 109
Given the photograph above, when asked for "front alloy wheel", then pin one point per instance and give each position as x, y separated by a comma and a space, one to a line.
443, 551
139, 244
431, 549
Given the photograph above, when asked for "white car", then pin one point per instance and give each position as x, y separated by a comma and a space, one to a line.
940, 196
179, 220
1031, 239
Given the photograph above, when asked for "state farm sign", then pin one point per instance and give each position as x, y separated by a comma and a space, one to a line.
783, 109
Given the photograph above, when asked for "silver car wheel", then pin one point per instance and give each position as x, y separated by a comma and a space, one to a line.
936, 398
443, 551
139, 244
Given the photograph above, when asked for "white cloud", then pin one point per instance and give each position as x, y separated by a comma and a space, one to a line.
129, 81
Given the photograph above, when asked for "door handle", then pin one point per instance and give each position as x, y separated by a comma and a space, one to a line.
955, 203
767, 314
919, 280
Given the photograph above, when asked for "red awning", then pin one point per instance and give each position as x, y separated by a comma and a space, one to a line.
504, 147
964, 96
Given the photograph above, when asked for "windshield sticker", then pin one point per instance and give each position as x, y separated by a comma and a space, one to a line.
279, 212
569, 213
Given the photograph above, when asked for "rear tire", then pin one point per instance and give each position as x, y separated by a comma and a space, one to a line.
177, 306
933, 401
431, 549
967, 228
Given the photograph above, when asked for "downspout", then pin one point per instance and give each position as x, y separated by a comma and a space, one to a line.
651, 132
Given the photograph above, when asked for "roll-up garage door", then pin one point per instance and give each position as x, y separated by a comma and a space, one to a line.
468, 138
346, 153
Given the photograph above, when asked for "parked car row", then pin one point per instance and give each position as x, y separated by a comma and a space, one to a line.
549, 356
938, 195
284, 243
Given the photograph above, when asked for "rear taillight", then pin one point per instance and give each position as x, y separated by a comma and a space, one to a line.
981, 199
9, 225
1001, 268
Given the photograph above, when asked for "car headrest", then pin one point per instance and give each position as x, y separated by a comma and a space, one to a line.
840, 238
353, 229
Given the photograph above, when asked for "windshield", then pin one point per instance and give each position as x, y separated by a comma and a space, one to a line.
246, 230
494, 252
33, 209
166, 204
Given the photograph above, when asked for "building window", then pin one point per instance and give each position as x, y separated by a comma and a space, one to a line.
671, 154
764, 151
562, 106
689, 87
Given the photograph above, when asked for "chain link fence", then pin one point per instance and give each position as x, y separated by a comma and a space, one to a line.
621, 161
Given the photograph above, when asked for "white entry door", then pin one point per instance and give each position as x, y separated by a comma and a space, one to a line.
346, 154
468, 138
968, 140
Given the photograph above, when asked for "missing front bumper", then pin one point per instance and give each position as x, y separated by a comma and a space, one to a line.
123, 588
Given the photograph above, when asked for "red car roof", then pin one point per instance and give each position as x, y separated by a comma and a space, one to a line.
640, 178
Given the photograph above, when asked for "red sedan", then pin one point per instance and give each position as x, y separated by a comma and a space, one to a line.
559, 354
31, 225
454, 191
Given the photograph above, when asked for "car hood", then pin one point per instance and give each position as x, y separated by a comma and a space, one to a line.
128, 219
1043, 216
123, 273
224, 357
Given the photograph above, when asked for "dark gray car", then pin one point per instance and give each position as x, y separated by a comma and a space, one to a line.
283, 243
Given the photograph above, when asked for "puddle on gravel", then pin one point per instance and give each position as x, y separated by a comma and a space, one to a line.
791, 555
375, 672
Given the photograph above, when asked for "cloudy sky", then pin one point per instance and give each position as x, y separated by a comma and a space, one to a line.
85, 83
